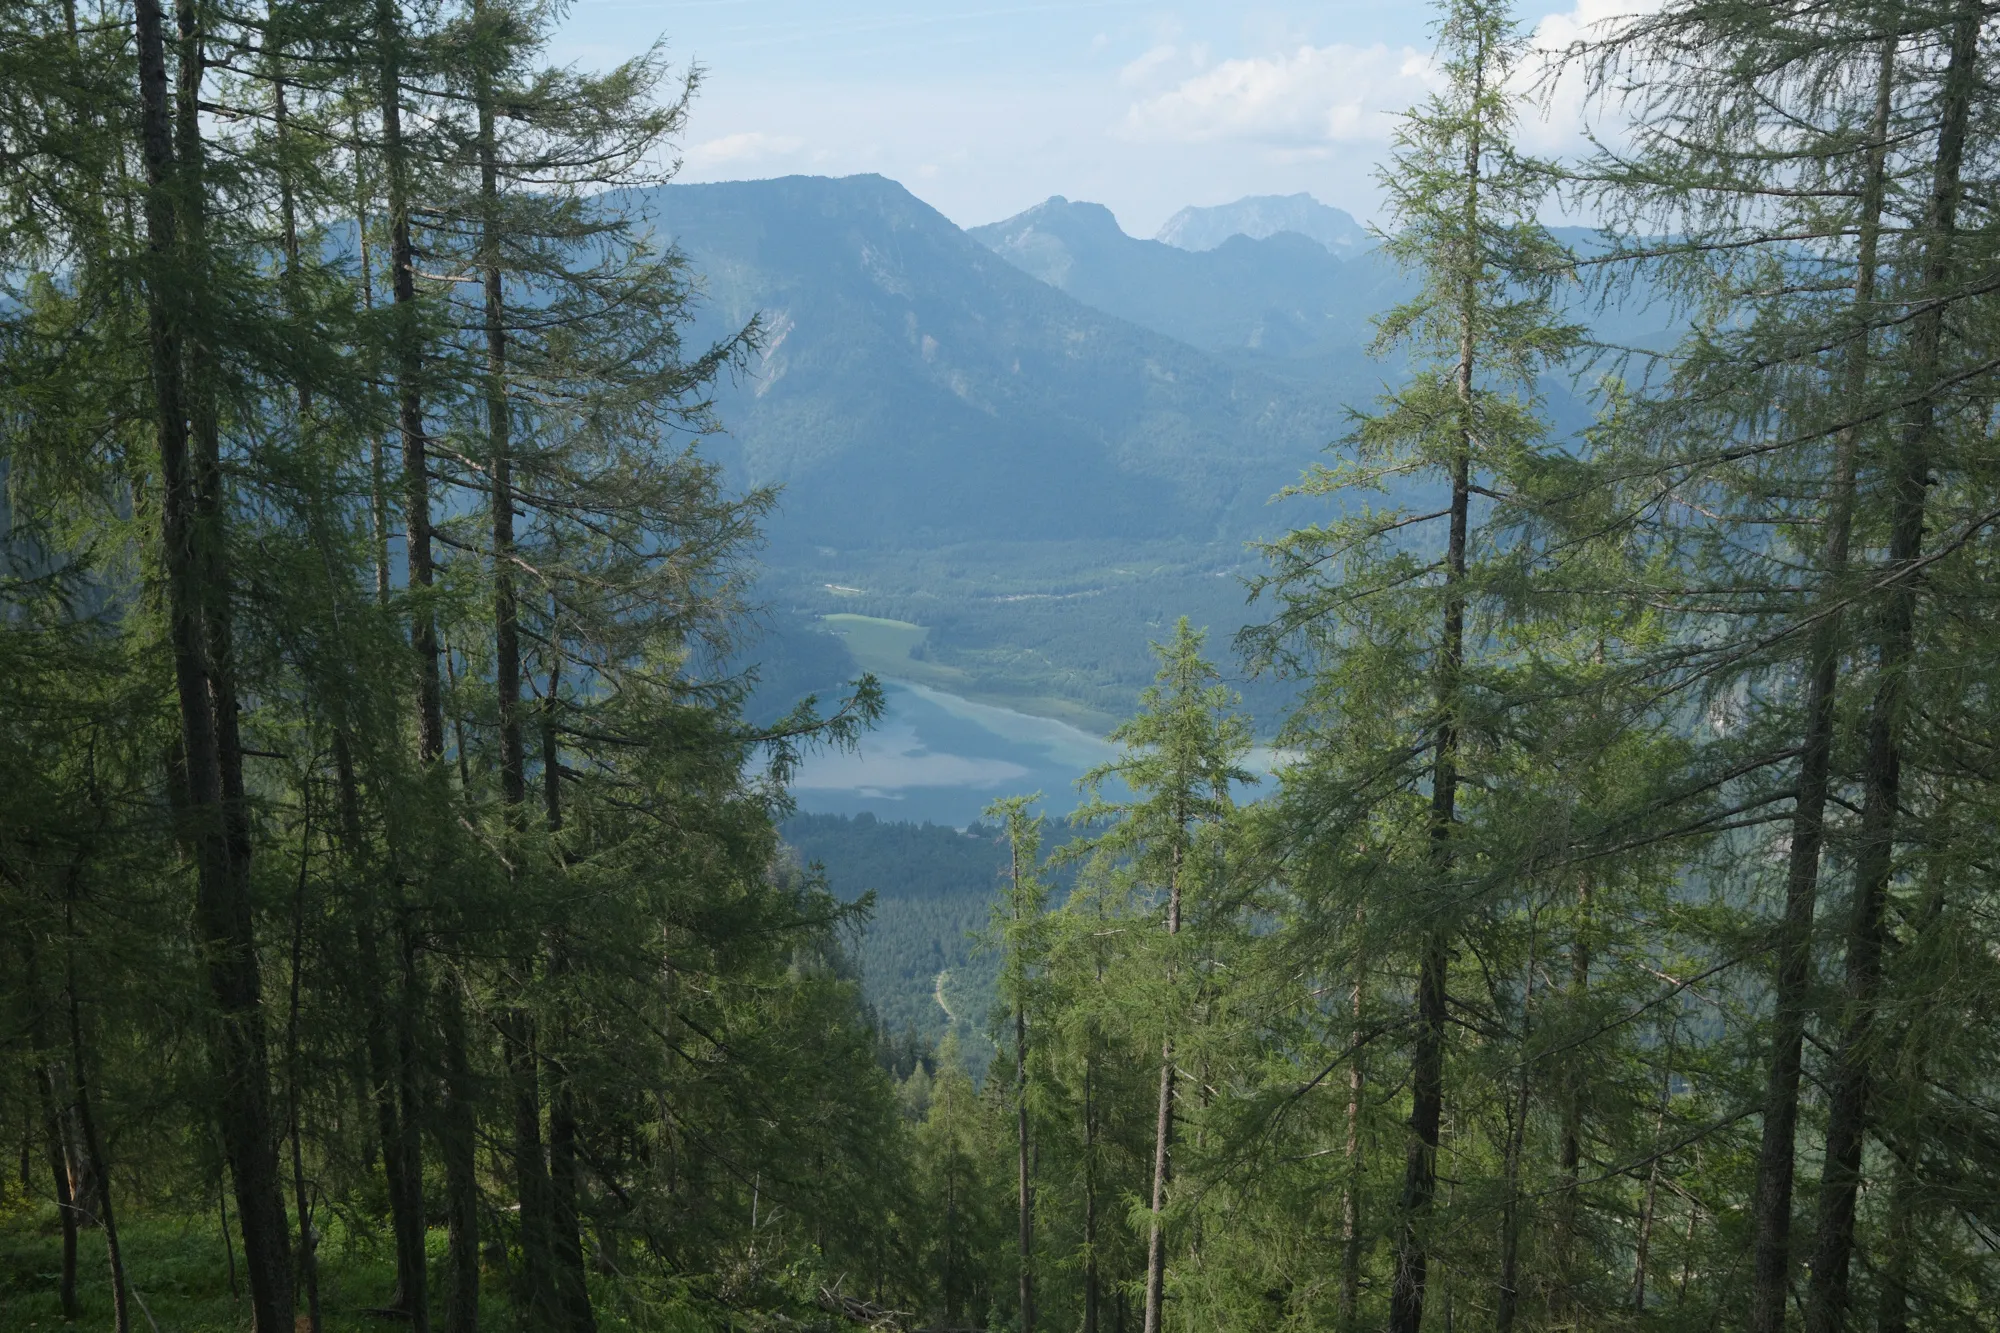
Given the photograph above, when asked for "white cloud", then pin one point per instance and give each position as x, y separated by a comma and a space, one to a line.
750, 146
1590, 18
1313, 95
1312, 98
1142, 69
1562, 112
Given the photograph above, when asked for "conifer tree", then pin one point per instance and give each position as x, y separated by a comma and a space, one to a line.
1379, 604
1166, 844
1796, 160
1019, 925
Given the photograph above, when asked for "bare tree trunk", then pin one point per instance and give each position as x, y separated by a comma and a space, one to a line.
378, 491
1025, 1199
1091, 1292
1772, 1205
302, 1199
121, 1314
409, 362
1163, 1138
531, 1174
1569, 1154
571, 1286
192, 519
54, 1126
1847, 1102
1650, 1210
1026, 1196
402, 1177
413, 1255
52, 1131
1509, 1296
458, 1130
1350, 1203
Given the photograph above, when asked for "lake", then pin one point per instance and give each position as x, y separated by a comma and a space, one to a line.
937, 757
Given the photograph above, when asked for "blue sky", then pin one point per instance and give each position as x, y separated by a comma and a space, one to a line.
986, 107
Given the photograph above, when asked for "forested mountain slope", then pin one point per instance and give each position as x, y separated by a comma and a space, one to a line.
915, 390
966, 447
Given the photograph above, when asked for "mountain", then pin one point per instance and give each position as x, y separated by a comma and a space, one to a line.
1279, 302
1267, 215
1280, 295
915, 389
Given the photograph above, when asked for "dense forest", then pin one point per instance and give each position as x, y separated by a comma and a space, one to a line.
929, 892
394, 922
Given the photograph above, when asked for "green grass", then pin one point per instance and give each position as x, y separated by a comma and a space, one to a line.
883, 646
180, 1271
899, 650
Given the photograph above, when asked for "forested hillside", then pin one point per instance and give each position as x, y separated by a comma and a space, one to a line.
397, 922
932, 888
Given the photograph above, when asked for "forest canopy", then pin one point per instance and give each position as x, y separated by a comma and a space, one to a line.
394, 921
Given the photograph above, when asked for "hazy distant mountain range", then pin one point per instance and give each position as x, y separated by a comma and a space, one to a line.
1267, 215
1041, 439
1277, 292
918, 389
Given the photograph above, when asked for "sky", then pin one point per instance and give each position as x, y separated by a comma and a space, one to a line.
983, 108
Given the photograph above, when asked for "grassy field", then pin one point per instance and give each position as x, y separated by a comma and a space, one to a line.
180, 1273
899, 650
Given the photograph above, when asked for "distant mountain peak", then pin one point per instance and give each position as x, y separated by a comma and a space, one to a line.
1046, 239
1265, 215
1077, 219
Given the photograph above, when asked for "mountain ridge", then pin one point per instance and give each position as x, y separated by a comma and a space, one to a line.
1261, 215
921, 389
1282, 298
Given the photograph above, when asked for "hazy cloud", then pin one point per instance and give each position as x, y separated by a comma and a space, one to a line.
1312, 95
748, 147
1141, 70
1320, 96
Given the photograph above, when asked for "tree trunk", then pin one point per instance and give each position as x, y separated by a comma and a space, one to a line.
1508, 1301
52, 1131
1772, 1204
197, 593
378, 492
121, 1314
409, 363
1569, 1154
1163, 1137
1650, 1210
413, 1255
531, 1174
1893, 1301
1406, 1298
1025, 1199
1909, 467
301, 1198
458, 1131
532, 1184
572, 1288
1350, 1203
1091, 1293
402, 1178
